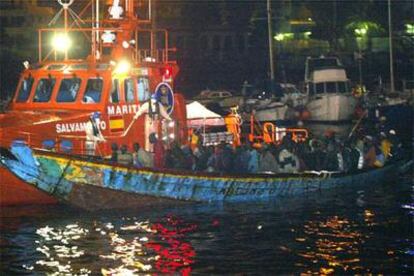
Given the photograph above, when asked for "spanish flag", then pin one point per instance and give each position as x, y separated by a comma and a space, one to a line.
116, 123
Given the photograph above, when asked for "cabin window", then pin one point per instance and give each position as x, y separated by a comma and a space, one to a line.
342, 87
114, 91
68, 90
331, 87
319, 88
25, 88
44, 90
93, 91
129, 90
143, 89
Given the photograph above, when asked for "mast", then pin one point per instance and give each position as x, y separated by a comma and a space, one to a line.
270, 38
392, 87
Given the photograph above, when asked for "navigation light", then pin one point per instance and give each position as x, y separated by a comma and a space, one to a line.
61, 42
123, 67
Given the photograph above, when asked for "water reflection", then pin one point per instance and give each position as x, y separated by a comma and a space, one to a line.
130, 247
343, 232
332, 245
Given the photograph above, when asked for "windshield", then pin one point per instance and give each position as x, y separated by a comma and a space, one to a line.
68, 90
24, 90
44, 90
93, 91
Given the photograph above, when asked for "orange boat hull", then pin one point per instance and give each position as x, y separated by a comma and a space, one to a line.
13, 191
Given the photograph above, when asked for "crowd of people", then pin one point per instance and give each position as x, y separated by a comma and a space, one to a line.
330, 153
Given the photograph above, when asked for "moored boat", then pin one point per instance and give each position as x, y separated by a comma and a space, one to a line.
330, 97
222, 98
99, 185
271, 108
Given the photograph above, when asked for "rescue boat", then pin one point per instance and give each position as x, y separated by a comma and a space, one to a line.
92, 77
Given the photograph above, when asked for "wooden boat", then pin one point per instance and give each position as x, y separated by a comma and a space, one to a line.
115, 69
100, 185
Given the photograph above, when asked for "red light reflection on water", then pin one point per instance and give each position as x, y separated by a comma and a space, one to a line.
174, 254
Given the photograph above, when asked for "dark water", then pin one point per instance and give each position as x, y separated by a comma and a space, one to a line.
363, 231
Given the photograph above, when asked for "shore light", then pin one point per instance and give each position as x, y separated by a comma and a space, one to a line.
409, 29
283, 36
61, 42
361, 31
279, 37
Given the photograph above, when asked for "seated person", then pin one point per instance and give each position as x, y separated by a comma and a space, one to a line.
124, 157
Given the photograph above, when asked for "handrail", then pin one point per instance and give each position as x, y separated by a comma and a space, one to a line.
161, 54
270, 133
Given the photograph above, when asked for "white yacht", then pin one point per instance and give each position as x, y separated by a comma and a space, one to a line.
223, 98
330, 97
271, 108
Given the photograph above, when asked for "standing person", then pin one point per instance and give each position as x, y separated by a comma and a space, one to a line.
369, 152
159, 151
253, 162
353, 157
333, 158
396, 151
267, 162
385, 146
218, 157
188, 158
316, 156
202, 159
287, 159
115, 152
211, 160
93, 133
241, 159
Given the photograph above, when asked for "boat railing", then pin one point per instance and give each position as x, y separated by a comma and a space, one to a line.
63, 143
163, 55
147, 45
270, 133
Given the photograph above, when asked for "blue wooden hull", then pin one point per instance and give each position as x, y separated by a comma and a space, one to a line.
100, 185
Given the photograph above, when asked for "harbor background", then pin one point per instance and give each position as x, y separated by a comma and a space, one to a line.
362, 231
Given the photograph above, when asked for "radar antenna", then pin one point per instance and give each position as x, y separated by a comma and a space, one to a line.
66, 9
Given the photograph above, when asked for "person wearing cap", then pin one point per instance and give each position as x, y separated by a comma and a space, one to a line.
93, 133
